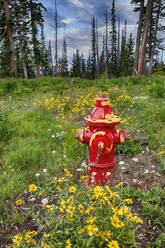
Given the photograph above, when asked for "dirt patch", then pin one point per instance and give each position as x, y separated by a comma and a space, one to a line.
141, 170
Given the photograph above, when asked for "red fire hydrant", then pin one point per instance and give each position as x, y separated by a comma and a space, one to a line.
101, 138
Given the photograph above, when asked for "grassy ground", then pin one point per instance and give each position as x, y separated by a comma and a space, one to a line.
39, 119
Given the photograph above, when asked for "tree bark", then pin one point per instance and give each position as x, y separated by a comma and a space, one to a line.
144, 40
51, 58
138, 38
154, 42
13, 67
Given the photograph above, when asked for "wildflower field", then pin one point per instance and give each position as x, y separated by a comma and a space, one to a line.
44, 198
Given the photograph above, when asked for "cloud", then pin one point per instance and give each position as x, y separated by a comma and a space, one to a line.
79, 4
68, 21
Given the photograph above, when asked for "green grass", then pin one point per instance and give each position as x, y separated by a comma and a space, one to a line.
32, 138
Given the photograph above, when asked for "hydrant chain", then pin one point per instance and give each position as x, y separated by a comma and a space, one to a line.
97, 158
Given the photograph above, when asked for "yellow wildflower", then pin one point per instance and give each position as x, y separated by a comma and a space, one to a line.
27, 238
46, 245
58, 188
70, 199
83, 177
33, 233
41, 193
68, 244
118, 185
17, 239
70, 209
113, 244
128, 201
50, 207
107, 235
47, 235
136, 219
89, 209
32, 187
81, 208
90, 220
116, 222
92, 229
162, 152
18, 202
72, 189
61, 179
81, 231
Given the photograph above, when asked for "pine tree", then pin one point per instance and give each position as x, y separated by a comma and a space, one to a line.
113, 41
102, 66
130, 54
93, 48
75, 68
124, 55
64, 60
118, 48
89, 68
106, 45
9, 30
36, 20
50, 59
153, 45
44, 54
83, 67
56, 37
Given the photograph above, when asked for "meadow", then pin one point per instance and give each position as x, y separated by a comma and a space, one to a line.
43, 200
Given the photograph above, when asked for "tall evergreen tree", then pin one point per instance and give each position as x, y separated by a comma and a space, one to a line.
64, 60
89, 68
9, 30
106, 45
93, 48
130, 54
36, 20
123, 61
113, 41
75, 68
83, 67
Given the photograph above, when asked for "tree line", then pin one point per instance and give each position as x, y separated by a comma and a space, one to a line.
24, 51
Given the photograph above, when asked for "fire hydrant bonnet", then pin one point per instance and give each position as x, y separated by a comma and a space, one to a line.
102, 114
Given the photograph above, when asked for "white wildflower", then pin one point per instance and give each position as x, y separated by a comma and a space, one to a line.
44, 201
121, 162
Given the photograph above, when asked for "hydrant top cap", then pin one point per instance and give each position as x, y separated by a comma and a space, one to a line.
102, 114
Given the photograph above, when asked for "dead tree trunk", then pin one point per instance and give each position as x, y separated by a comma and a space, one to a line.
144, 40
154, 42
138, 38
13, 67
50, 58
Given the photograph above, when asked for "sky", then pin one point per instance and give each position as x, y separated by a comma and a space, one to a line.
74, 17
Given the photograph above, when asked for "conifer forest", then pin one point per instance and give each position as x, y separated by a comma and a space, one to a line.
26, 52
